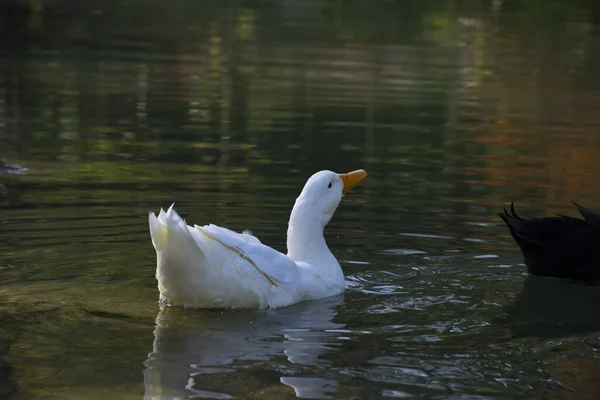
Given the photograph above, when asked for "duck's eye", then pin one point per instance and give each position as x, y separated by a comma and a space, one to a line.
329, 186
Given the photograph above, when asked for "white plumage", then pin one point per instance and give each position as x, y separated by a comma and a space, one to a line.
214, 267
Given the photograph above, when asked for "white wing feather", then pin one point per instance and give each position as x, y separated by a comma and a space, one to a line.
276, 266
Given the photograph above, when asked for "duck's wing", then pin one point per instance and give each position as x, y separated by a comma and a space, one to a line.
591, 217
276, 267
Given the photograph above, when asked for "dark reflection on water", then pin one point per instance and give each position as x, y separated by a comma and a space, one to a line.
455, 108
538, 311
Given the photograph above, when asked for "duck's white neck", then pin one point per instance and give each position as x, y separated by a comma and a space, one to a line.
305, 240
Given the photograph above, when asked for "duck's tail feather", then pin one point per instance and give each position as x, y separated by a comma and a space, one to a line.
168, 228
513, 212
521, 230
158, 230
510, 213
180, 258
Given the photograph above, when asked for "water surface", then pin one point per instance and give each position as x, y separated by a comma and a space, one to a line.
454, 108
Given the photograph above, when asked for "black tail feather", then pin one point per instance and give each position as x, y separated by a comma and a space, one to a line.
519, 228
514, 213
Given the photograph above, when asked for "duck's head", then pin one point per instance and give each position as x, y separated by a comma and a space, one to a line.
322, 194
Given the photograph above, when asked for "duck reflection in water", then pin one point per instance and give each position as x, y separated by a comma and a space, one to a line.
198, 353
550, 307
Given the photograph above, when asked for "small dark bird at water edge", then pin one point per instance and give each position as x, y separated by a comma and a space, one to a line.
561, 246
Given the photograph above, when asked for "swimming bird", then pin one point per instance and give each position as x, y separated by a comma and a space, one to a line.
213, 267
560, 246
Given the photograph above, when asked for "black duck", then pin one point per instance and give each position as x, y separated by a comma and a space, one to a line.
561, 246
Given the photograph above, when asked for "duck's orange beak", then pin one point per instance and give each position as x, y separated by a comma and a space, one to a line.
352, 179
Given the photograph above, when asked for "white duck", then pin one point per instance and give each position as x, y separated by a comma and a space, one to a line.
213, 267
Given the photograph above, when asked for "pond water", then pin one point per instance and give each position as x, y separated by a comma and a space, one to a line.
455, 108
